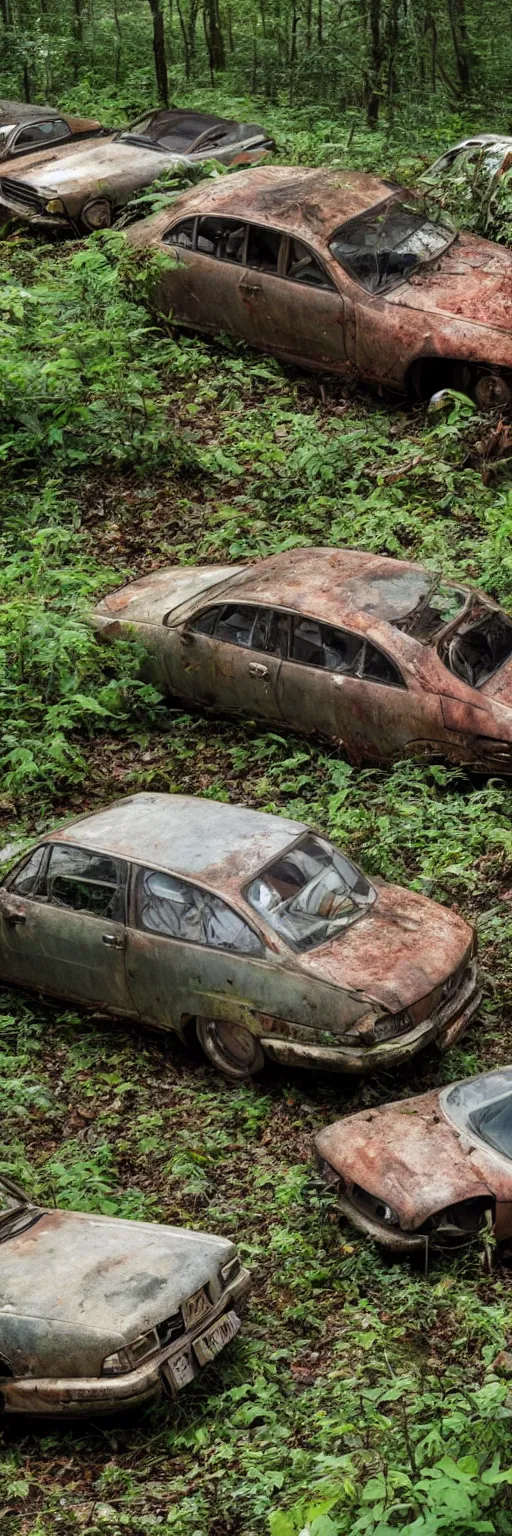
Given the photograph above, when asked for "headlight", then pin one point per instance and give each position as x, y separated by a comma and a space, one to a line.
97, 215
392, 1024
230, 1270
145, 1345
116, 1364
55, 205
386, 1214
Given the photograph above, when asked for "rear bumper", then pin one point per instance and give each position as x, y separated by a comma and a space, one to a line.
84, 1397
443, 1028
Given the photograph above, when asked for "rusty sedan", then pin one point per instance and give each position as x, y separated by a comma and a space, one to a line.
337, 270
435, 1170
99, 1314
85, 191
28, 130
385, 658
248, 930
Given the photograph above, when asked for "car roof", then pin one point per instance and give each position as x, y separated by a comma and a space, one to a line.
183, 833
335, 585
25, 111
297, 198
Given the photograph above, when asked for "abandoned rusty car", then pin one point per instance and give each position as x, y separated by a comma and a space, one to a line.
86, 191
379, 655
99, 1313
29, 130
338, 270
249, 929
470, 177
435, 1170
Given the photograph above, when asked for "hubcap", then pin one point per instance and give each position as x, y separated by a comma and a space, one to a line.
230, 1047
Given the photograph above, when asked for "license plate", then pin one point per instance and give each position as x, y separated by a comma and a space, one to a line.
180, 1370
195, 1308
210, 1344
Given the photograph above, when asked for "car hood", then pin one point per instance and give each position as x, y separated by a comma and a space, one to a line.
106, 1274
37, 165
95, 168
409, 1156
148, 600
396, 954
471, 282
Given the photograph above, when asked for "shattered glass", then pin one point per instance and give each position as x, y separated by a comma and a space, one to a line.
386, 245
180, 910
493, 1123
310, 893
475, 652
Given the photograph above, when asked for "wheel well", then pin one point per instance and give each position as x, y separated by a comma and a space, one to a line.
429, 374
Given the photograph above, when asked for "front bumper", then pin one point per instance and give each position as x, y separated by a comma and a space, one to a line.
165, 1373
444, 1028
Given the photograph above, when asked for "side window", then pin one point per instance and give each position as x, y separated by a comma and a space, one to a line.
25, 880
204, 623
87, 882
263, 248
317, 645
177, 910
235, 624
222, 238
182, 234
36, 135
271, 632
379, 669
303, 267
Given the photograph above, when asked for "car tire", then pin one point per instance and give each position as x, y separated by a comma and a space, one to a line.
487, 387
491, 391
231, 1048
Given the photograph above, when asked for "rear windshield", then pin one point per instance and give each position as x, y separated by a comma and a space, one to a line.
477, 650
384, 246
493, 1123
310, 893
173, 131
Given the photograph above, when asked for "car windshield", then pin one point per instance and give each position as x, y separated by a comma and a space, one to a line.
386, 245
438, 604
173, 131
479, 649
493, 1124
310, 893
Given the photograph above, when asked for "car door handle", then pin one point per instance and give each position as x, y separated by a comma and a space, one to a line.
112, 941
257, 670
250, 289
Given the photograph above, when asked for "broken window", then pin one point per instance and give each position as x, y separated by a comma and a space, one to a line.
438, 605
317, 645
477, 650
243, 624
310, 893
378, 668
384, 246
86, 882
303, 267
235, 624
178, 910
39, 134
222, 238
263, 248
26, 879
181, 234
204, 623
493, 1123
271, 632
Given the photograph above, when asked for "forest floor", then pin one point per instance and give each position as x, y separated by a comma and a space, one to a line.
361, 1395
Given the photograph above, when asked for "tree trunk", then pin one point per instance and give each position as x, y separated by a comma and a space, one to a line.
459, 31
372, 81
119, 44
184, 35
159, 53
6, 13
214, 38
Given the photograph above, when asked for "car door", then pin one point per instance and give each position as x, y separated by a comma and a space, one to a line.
201, 289
229, 655
309, 680
63, 926
379, 714
190, 954
292, 302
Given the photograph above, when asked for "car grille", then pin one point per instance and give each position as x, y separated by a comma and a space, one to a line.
170, 1329
18, 192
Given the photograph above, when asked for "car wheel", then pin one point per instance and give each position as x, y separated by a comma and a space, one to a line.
230, 1047
491, 390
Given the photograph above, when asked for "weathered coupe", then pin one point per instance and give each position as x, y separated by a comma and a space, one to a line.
28, 130
434, 1170
340, 271
85, 191
472, 181
383, 657
248, 929
98, 1314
